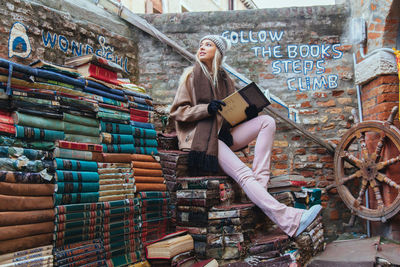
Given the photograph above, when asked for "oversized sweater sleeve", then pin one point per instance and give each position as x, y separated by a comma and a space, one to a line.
183, 108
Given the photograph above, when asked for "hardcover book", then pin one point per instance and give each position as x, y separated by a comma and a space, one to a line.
54, 67
170, 246
80, 60
236, 103
97, 72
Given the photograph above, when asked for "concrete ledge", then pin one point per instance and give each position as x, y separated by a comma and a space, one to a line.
380, 63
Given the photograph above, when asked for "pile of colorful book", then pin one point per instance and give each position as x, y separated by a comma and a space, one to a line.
214, 228
58, 124
155, 215
174, 164
26, 197
311, 241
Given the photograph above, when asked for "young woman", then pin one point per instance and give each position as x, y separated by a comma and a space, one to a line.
211, 142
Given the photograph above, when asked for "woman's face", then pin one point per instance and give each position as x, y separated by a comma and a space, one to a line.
206, 51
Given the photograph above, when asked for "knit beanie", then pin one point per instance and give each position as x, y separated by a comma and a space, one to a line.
222, 43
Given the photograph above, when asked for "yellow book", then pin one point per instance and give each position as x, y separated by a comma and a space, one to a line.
236, 103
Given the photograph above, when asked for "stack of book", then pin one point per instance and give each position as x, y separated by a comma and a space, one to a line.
39, 256
174, 164
125, 138
116, 181
122, 232
268, 249
82, 126
311, 241
26, 198
116, 224
155, 214
196, 196
78, 110
229, 230
148, 174
88, 253
77, 176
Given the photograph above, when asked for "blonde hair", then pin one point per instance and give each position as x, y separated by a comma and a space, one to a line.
216, 66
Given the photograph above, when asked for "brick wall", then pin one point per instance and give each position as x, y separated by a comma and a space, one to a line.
56, 30
379, 96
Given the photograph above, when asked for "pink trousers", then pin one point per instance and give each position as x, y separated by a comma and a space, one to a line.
254, 181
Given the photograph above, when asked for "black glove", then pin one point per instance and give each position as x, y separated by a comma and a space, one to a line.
251, 112
214, 106
225, 136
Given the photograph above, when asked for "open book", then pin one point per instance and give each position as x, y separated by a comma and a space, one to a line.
236, 103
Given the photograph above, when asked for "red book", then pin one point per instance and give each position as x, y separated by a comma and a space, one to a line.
79, 146
5, 117
138, 112
113, 107
97, 72
7, 128
139, 118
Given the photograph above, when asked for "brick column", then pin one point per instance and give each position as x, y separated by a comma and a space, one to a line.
379, 96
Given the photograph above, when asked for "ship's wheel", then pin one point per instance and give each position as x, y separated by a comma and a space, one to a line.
364, 159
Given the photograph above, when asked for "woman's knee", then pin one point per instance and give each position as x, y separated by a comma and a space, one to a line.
267, 122
244, 174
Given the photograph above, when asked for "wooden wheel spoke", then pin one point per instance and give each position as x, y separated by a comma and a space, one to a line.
378, 195
357, 174
364, 150
352, 158
384, 164
383, 178
377, 155
358, 201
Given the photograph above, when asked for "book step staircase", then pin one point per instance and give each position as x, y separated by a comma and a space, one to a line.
225, 225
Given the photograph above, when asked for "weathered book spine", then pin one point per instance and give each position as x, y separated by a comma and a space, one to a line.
193, 230
155, 208
76, 245
68, 253
67, 226
79, 146
200, 248
200, 193
150, 194
191, 218
177, 157
85, 261
224, 253
155, 201
192, 209
197, 184
225, 239
226, 221
26, 254
205, 202
229, 214
226, 229
78, 257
